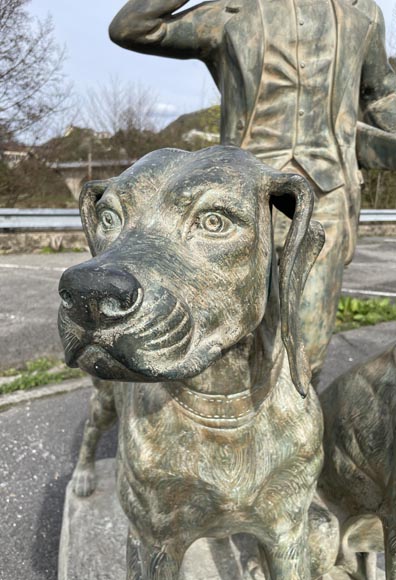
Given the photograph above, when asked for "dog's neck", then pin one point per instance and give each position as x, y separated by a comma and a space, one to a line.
232, 390
226, 395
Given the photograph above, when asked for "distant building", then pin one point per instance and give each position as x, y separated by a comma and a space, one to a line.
194, 134
97, 134
13, 153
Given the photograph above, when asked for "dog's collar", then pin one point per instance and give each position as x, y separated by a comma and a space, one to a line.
225, 411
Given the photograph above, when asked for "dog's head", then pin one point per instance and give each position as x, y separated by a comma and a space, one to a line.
183, 260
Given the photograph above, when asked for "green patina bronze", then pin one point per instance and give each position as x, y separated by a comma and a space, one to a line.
183, 293
360, 470
221, 431
292, 77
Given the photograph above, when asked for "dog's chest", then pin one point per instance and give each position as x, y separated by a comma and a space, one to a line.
231, 465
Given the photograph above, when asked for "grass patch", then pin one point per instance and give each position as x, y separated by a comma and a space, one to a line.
354, 312
62, 250
48, 250
9, 372
37, 373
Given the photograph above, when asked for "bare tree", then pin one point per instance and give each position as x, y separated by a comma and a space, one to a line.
120, 106
31, 80
391, 43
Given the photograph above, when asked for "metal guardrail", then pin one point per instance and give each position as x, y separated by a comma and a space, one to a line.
69, 219
40, 219
377, 215
105, 163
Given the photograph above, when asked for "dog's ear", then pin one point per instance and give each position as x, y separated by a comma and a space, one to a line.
90, 194
292, 195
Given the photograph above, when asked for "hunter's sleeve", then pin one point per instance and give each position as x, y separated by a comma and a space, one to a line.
152, 27
378, 86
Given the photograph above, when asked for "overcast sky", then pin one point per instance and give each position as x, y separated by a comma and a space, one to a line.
81, 26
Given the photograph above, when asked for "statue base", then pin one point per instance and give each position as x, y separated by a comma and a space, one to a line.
94, 532
93, 542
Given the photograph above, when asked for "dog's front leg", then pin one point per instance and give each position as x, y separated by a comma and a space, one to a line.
287, 558
151, 561
102, 415
389, 527
387, 514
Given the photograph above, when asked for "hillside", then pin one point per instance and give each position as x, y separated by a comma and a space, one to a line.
193, 130
28, 181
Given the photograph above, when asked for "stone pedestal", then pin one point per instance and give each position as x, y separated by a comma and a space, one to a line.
94, 531
93, 542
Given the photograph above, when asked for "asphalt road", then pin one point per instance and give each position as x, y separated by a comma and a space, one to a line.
373, 269
39, 447
29, 299
29, 304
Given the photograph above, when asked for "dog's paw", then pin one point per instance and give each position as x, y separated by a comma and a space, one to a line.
84, 481
253, 570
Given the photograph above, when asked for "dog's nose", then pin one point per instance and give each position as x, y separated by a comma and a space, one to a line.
94, 293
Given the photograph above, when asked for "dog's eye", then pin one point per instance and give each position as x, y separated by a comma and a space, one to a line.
215, 223
109, 220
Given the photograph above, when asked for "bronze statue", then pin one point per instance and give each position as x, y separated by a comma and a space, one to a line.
360, 466
221, 431
292, 76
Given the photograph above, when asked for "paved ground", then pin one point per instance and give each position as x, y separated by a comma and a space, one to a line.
373, 269
29, 304
29, 299
39, 446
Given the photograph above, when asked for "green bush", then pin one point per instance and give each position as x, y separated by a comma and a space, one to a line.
353, 312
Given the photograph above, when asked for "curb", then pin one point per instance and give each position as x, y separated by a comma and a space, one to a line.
51, 390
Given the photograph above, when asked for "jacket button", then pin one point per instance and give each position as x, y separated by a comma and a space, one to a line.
240, 125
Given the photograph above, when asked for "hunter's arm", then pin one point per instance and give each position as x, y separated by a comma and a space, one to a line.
376, 136
378, 86
149, 26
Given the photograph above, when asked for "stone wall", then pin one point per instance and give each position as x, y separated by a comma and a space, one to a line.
37, 241
27, 242
384, 229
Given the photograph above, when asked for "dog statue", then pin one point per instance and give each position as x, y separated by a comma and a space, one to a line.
220, 432
359, 473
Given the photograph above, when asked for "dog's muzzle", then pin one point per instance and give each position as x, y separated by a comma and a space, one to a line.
105, 314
